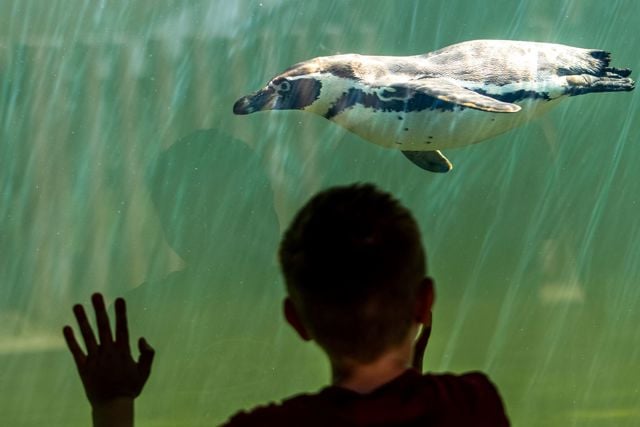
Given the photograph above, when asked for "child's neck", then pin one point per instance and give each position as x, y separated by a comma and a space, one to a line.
364, 378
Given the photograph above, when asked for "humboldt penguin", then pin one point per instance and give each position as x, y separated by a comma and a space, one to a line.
459, 95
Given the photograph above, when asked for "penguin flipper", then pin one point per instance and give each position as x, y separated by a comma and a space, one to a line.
448, 91
433, 161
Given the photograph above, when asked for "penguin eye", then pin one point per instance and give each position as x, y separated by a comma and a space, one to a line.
283, 86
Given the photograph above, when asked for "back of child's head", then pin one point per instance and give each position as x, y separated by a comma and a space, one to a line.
353, 263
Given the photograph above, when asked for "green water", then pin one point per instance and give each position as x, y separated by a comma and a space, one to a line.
123, 170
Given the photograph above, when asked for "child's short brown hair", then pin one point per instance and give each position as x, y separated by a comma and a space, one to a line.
353, 262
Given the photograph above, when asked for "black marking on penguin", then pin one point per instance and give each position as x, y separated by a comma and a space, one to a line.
602, 55
622, 72
415, 101
344, 71
301, 93
406, 129
561, 71
400, 118
396, 92
516, 96
254, 102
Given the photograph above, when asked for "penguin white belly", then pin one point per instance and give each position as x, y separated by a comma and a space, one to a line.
435, 129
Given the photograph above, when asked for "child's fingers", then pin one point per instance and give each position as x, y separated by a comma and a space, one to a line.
122, 329
146, 357
102, 320
85, 329
74, 347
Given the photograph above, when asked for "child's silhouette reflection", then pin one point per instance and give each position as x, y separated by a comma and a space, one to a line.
216, 208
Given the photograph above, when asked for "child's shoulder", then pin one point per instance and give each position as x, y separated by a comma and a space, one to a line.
411, 397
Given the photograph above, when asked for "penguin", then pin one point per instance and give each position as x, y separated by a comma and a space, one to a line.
455, 96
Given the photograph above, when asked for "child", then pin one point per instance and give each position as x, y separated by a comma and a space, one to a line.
355, 273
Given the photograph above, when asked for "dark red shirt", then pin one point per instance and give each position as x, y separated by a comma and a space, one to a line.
410, 400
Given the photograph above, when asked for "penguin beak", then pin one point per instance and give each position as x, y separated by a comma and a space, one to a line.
264, 99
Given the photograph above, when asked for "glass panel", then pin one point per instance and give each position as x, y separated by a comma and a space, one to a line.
124, 170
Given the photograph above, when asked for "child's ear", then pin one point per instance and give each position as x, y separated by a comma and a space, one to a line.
293, 319
426, 298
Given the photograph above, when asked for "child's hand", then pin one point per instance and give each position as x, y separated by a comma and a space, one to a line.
108, 371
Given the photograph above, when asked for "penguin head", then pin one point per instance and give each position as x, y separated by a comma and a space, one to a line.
281, 93
309, 86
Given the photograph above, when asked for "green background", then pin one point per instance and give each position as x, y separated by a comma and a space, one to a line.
123, 170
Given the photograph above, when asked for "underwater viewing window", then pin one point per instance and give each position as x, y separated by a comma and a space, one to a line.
138, 160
